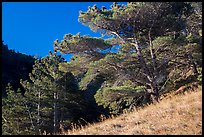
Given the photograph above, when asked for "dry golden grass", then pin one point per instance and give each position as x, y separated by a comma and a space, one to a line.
175, 115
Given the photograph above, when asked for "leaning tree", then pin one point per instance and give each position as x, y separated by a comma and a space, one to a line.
132, 27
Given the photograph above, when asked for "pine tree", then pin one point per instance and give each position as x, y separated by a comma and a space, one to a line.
16, 118
146, 34
53, 95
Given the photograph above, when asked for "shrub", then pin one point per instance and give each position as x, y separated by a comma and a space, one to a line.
119, 98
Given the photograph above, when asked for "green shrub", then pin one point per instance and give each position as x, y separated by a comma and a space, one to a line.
119, 98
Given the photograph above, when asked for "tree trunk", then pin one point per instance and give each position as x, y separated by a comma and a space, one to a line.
38, 115
55, 103
55, 113
154, 96
31, 119
155, 91
150, 75
193, 65
142, 62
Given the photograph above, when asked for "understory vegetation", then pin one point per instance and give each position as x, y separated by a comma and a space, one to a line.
151, 49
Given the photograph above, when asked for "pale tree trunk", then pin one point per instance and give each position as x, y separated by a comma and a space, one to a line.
155, 74
54, 120
55, 113
31, 119
55, 101
62, 97
55, 104
38, 114
150, 75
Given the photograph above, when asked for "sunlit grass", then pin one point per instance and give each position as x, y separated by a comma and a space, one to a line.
176, 115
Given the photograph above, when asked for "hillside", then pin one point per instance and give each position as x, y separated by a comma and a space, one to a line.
139, 58
176, 115
15, 66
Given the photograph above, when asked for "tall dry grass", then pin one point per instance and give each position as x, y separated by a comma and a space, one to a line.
173, 115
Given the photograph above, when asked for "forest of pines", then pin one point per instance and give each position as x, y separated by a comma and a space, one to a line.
160, 50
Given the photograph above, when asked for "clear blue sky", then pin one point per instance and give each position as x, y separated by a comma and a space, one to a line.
31, 27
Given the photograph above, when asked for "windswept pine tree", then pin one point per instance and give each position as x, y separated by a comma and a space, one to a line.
152, 41
151, 48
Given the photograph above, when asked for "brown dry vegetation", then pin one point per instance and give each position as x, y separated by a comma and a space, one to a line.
174, 114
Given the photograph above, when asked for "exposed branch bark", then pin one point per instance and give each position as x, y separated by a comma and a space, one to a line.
30, 117
4, 119
153, 56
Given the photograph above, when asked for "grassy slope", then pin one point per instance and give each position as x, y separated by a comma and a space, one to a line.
177, 114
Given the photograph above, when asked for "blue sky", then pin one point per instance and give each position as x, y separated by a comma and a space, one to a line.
31, 27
